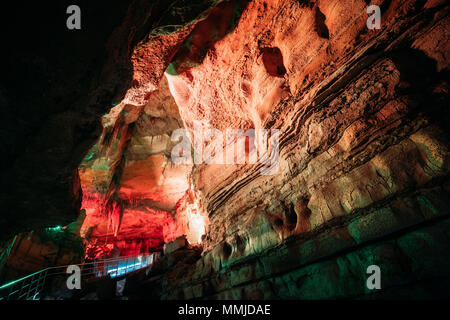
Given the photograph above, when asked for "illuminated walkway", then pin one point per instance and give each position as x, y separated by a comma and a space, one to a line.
31, 286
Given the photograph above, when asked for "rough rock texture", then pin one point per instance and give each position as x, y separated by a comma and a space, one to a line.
31, 252
363, 167
363, 175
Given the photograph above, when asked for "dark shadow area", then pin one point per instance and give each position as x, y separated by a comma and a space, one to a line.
273, 61
425, 87
321, 27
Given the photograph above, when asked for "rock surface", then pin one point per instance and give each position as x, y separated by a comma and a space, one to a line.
363, 152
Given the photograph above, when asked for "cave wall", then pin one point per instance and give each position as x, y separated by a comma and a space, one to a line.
363, 167
33, 251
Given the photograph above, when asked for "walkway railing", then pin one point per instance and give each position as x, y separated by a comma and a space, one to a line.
31, 286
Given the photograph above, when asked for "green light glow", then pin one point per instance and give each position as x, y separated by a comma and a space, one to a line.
18, 280
89, 156
55, 229
172, 70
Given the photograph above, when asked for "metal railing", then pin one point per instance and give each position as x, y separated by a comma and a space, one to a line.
30, 287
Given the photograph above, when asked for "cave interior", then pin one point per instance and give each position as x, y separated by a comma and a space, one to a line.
115, 144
